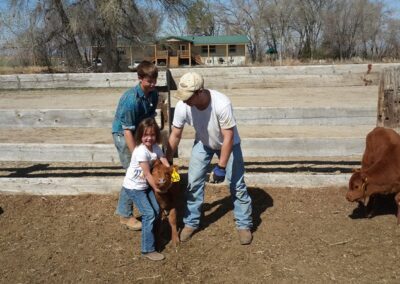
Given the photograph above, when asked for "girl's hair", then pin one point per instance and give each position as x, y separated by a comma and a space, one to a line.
143, 125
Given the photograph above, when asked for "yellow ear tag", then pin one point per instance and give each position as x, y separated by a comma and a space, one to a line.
175, 177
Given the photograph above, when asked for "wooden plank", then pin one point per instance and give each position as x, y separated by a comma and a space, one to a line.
228, 77
111, 185
292, 147
60, 186
58, 152
56, 118
304, 116
252, 147
389, 99
75, 80
99, 118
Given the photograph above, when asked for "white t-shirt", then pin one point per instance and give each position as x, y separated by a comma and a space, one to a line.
134, 178
209, 122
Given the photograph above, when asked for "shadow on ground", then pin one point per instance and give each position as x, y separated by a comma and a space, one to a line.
49, 170
213, 211
379, 205
261, 201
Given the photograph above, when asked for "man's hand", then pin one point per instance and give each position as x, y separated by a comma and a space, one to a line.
218, 174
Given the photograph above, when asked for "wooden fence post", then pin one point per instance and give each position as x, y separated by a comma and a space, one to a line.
389, 99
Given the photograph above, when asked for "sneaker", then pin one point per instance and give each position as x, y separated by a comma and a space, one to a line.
245, 236
186, 233
131, 223
155, 256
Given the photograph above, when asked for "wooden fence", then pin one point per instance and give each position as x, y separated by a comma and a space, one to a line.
389, 99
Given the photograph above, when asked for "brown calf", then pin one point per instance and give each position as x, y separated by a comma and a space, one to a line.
380, 168
168, 200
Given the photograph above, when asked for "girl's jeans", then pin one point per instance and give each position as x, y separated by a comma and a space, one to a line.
146, 202
199, 162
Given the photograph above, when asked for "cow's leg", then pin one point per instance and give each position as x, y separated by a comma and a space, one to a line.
370, 207
174, 227
397, 198
361, 210
158, 234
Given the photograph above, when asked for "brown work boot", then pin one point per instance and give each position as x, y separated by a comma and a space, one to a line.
186, 233
245, 236
155, 256
131, 223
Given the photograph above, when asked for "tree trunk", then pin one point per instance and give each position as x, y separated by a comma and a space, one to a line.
111, 58
73, 56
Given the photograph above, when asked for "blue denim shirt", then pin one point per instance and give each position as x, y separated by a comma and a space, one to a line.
132, 108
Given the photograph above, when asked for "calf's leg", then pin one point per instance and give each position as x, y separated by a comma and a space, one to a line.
174, 227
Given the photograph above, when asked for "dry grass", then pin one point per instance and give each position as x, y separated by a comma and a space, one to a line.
6, 70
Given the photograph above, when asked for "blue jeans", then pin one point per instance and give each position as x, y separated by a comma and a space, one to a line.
199, 161
123, 151
125, 204
146, 202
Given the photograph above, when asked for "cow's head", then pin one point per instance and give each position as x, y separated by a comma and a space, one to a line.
162, 175
357, 186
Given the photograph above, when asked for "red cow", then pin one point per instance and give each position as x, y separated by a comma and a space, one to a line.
168, 200
380, 168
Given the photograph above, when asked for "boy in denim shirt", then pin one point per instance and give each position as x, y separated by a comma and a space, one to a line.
135, 104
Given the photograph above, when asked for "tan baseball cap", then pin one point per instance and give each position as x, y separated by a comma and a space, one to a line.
188, 85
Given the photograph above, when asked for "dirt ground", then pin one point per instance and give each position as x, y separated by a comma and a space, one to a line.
300, 236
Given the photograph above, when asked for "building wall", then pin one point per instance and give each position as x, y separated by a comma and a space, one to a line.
219, 57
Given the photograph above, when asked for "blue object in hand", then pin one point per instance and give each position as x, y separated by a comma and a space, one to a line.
218, 174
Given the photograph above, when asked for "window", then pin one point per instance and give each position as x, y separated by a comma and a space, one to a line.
232, 48
213, 48
204, 49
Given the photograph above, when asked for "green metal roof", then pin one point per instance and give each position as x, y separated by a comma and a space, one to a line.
213, 40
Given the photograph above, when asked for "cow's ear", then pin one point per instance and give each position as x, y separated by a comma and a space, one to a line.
356, 170
363, 175
175, 167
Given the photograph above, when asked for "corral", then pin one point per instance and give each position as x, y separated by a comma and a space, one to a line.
303, 130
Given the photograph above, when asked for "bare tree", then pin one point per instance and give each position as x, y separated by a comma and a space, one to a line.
393, 38
308, 22
300, 28
200, 19
73, 56
278, 17
342, 26
245, 17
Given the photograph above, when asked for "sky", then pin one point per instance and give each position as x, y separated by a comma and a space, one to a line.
395, 4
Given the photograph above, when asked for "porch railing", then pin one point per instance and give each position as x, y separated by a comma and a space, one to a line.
183, 53
162, 53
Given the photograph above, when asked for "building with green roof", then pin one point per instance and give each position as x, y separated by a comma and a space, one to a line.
175, 51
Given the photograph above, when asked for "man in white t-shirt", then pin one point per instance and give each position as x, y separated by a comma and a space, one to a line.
211, 114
